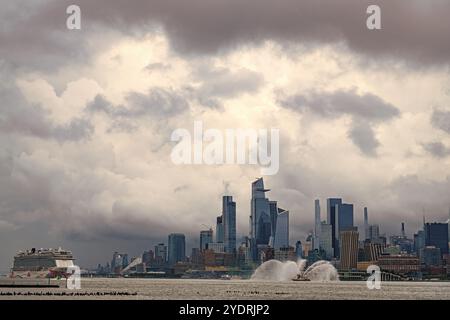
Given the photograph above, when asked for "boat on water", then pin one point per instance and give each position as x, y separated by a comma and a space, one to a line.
301, 278
42, 263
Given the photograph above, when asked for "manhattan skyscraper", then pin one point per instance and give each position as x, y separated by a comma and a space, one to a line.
177, 248
317, 225
281, 237
269, 224
366, 224
229, 223
260, 222
332, 211
340, 216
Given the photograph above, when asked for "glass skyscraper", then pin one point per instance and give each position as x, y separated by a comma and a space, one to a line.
273, 206
436, 234
299, 249
281, 237
177, 248
332, 211
317, 224
340, 216
260, 219
229, 223
366, 224
345, 217
326, 239
206, 236
269, 225
219, 230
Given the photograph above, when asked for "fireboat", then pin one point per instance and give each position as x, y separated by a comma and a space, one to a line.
301, 277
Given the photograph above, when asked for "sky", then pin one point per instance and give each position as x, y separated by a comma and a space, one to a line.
86, 116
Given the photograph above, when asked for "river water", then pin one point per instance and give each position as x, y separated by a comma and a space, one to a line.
123, 288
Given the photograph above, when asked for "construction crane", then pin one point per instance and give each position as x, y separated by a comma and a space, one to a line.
210, 227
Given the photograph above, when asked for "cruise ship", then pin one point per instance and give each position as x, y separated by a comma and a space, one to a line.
42, 263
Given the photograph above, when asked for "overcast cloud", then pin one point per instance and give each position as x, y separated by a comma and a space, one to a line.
86, 116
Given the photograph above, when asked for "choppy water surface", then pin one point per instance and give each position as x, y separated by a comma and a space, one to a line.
237, 289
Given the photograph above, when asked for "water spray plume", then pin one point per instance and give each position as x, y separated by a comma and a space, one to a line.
274, 270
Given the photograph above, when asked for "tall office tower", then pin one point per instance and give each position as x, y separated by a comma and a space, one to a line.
317, 223
326, 239
177, 248
345, 217
340, 216
436, 234
345, 221
431, 256
161, 253
419, 241
298, 250
332, 212
403, 230
273, 207
366, 224
206, 236
281, 238
260, 222
229, 223
374, 232
219, 230
349, 249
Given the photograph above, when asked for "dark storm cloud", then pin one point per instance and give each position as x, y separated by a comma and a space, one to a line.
368, 107
366, 111
415, 30
34, 35
411, 28
364, 138
441, 120
157, 102
212, 85
223, 83
437, 149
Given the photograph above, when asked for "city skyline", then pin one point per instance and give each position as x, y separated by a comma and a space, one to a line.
324, 219
87, 116
340, 217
